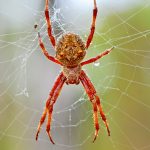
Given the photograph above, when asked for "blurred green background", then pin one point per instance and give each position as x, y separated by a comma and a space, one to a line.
122, 79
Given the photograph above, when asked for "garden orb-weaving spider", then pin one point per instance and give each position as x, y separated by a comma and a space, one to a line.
70, 51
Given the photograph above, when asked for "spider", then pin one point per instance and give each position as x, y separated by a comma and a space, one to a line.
70, 51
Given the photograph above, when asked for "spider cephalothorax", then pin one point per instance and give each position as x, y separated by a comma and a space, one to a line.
70, 51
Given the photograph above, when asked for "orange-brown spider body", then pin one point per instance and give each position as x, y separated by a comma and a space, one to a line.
70, 51
72, 74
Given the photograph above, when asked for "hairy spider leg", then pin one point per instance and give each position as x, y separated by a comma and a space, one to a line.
49, 27
91, 93
90, 90
41, 122
97, 57
95, 115
49, 105
45, 110
90, 37
52, 102
45, 52
102, 113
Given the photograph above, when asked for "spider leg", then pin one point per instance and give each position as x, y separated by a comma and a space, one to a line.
49, 27
91, 92
92, 99
45, 52
90, 37
97, 57
49, 124
50, 107
95, 115
49, 104
102, 113
41, 122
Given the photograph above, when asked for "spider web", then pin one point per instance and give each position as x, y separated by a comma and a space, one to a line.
122, 79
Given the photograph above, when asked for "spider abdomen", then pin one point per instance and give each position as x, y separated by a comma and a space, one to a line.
72, 74
70, 49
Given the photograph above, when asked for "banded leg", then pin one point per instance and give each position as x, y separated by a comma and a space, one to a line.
48, 126
102, 113
97, 57
50, 107
41, 122
49, 27
91, 97
90, 90
45, 52
49, 104
90, 37
95, 115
